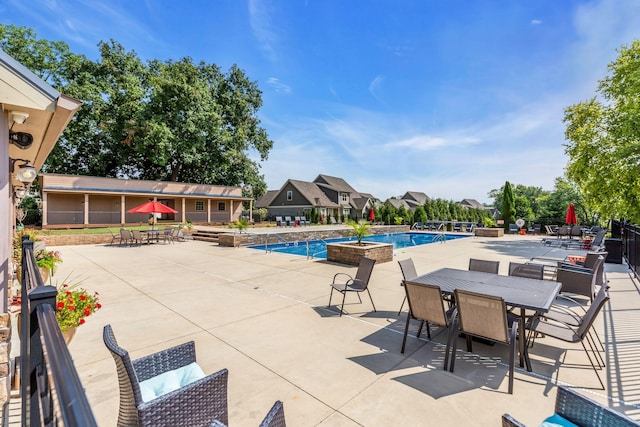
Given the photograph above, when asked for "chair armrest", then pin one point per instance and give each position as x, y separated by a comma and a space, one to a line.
342, 274
583, 411
198, 403
166, 360
575, 267
509, 421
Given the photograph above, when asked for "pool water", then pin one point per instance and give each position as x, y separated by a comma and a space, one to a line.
318, 248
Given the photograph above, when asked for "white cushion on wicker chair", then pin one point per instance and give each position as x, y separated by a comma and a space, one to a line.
169, 381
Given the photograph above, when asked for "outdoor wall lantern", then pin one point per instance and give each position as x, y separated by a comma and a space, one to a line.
20, 192
21, 140
25, 172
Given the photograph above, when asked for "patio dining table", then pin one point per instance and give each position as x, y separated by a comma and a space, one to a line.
519, 292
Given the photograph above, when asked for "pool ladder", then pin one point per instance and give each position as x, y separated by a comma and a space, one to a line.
317, 238
440, 237
277, 236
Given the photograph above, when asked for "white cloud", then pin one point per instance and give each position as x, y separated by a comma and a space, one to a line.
536, 22
278, 86
375, 85
260, 19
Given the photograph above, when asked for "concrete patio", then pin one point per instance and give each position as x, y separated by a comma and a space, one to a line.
264, 317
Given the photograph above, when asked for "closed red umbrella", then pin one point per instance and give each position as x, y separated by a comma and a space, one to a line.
372, 214
571, 215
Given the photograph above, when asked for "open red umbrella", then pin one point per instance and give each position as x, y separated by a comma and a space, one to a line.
571, 215
372, 215
152, 207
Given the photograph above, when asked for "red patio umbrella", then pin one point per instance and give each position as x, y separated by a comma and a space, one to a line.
152, 207
571, 215
372, 215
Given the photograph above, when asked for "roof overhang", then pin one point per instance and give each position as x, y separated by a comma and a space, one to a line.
49, 112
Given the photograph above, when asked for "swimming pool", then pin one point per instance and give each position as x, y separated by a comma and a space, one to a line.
318, 248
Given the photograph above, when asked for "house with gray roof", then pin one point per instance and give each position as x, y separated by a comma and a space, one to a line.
415, 198
472, 203
329, 195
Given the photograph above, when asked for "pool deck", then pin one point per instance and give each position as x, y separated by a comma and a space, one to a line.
264, 317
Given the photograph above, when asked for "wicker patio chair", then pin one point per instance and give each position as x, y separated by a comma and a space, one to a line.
567, 333
196, 404
581, 411
408, 270
275, 417
357, 284
485, 317
484, 265
115, 238
427, 305
138, 237
530, 271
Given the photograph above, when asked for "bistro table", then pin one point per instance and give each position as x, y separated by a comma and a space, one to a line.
524, 293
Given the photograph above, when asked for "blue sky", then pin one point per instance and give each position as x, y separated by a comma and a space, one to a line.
451, 98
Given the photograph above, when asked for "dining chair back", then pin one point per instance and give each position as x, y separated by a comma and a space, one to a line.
485, 316
408, 270
484, 266
530, 271
357, 284
427, 305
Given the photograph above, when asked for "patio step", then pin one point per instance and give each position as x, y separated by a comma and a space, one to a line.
206, 235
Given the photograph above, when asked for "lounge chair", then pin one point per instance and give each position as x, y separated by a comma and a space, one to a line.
485, 317
357, 284
288, 221
484, 265
513, 228
279, 221
579, 410
303, 220
167, 388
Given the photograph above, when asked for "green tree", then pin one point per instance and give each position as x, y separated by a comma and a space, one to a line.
508, 206
161, 120
420, 215
604, 140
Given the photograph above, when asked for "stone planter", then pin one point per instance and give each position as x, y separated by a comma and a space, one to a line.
350, 252
489, 232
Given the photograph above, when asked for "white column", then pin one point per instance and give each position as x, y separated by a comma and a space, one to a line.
123, 201
231, 210
86, 209
184, 215
6, 225
208, 210
251, 210
45, 208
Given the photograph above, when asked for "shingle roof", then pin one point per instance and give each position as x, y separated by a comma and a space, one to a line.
472, 203
313, 193
335, 183
396, 203
266, 199
416, 196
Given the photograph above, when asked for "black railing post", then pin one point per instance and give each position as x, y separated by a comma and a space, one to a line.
27, 251
38, 296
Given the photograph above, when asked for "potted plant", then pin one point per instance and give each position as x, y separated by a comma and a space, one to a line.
361, 229
47, 261
73, 305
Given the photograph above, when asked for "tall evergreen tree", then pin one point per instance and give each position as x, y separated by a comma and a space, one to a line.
508, 206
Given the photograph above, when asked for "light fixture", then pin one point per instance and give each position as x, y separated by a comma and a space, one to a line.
25, 172
22, 140
19, 117
20, 192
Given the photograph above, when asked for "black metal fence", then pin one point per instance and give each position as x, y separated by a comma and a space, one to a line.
52, 394
630, 235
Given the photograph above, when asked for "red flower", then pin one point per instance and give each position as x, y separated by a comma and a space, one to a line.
87, 312
99, 306
81, 322
82, 297
71, 308
65, 285
68, 292
60, 304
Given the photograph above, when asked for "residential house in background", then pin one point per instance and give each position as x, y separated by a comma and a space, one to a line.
472, 203
330, 196
415, 199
